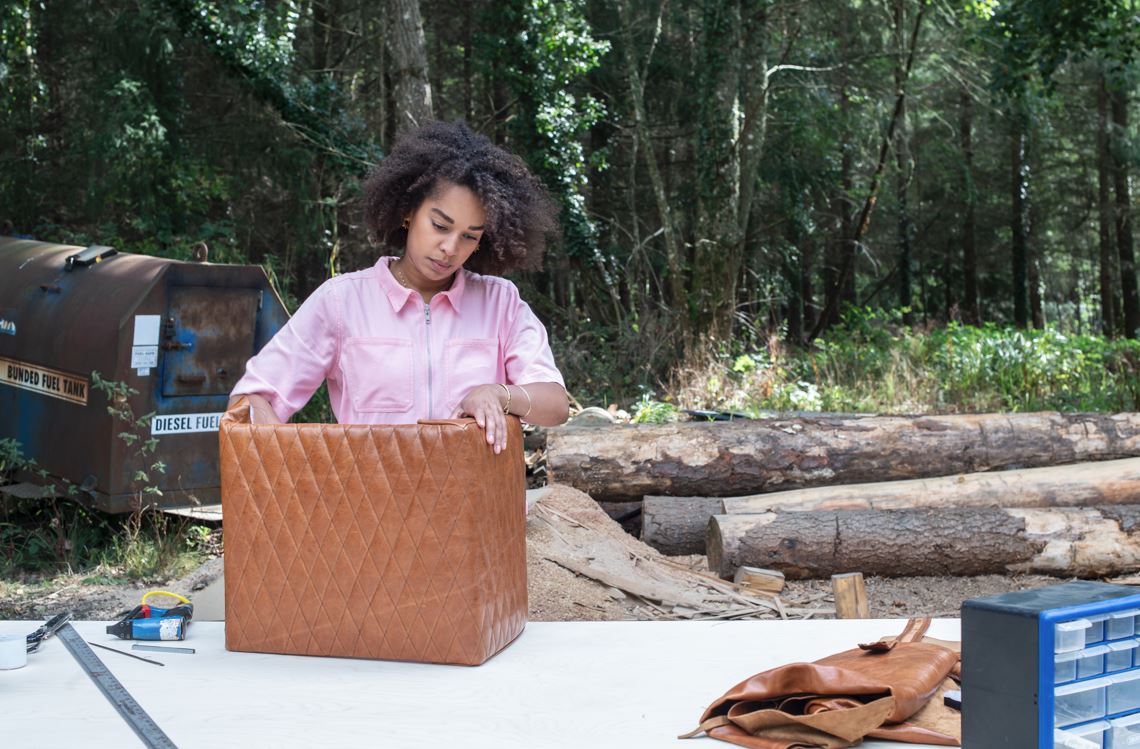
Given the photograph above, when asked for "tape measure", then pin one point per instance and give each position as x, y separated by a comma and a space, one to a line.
141, 723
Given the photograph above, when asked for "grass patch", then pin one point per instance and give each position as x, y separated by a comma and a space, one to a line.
45, 537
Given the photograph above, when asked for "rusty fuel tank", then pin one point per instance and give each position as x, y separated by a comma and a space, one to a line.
178, 333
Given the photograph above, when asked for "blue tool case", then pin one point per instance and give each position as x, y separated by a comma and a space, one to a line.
1052, 668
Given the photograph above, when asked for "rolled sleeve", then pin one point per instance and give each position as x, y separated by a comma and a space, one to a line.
527, 356
290, 368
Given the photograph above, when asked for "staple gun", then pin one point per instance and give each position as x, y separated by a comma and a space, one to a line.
146, 622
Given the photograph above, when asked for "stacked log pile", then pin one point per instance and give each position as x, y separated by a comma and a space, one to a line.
968, 494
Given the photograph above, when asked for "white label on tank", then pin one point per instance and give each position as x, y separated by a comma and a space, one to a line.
143, 371
144, 347
144, 357
42, 380
185, 423
146, 330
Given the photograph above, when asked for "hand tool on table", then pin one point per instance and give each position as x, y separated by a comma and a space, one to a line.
49, 628
147, 622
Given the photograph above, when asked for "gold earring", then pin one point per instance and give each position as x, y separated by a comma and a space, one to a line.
406, 224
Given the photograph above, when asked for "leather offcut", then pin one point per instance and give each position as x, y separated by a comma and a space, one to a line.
883, 690
390, 542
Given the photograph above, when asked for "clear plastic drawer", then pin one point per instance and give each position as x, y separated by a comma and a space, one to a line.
1065, 666
1123, 692
1119, 656
1120, 624
1090, 661
1070, 635
1081, 701
1124, 732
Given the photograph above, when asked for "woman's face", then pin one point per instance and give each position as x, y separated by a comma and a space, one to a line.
442, 233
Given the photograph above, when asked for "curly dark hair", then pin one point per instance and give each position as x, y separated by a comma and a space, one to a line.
521, 217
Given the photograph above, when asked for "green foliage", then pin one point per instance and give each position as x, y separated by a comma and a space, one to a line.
872, 363
54, 533
650, 411
118, 396
50, 534
548, 59
154, 545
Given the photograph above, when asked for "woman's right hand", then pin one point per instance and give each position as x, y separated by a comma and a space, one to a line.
260, 410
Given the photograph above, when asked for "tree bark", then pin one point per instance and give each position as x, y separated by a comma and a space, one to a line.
971, 311
408, 46
1083, 542
677, 525
902, 175
1108, 482
750, 457
720, 235
1119, 103
1104, 213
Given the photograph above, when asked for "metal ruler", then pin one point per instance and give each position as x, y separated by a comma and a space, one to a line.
114, 691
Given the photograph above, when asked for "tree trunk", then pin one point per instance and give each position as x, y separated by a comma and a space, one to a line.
720, 236
902, 175
1119, 101
1082, 542
677, 525
1104, 213
754, 102
1108, 482
843, 246
750, 457
409, 56
1019, 220
971, 311
792, 267
676, 280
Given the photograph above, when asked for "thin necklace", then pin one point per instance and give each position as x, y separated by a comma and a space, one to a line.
400, 276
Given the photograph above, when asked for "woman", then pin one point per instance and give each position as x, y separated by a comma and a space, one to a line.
427, 335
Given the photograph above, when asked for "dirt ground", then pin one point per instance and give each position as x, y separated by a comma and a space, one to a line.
556, 593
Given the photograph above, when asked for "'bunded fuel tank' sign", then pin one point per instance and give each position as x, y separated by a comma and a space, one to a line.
178, 333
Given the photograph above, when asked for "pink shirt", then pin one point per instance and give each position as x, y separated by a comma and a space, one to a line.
389, 358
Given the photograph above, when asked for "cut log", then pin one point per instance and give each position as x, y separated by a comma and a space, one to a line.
749, 457
677, 525
1109, 482
850, 596
1082, 542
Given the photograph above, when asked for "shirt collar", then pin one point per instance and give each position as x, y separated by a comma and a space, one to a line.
399, 295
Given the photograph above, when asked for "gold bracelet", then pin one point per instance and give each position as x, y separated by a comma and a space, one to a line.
506, 408
529, 402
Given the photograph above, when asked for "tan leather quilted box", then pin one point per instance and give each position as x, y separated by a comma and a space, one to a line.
396, 542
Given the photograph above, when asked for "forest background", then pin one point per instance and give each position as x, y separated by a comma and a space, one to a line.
855, 205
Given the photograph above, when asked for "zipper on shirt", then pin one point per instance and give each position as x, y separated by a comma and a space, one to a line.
427, 336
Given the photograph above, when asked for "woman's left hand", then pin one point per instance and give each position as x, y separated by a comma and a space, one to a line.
485, 404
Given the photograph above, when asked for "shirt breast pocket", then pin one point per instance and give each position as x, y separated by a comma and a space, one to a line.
378, 374
468, 362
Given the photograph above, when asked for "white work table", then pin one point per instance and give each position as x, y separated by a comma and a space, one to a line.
568, 684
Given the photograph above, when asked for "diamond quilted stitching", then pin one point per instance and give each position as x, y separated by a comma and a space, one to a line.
383, 542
